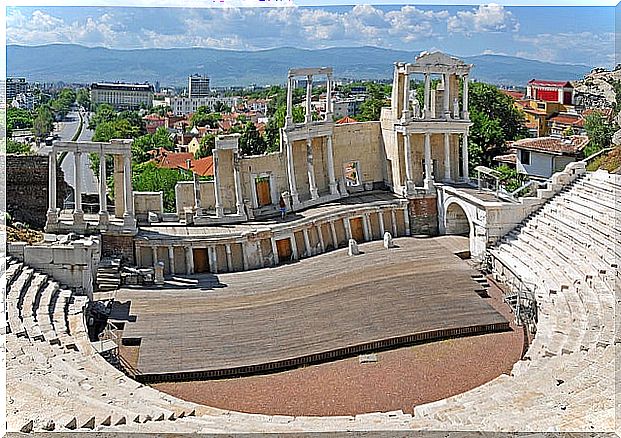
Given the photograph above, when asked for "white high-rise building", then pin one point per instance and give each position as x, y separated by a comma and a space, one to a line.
198, 86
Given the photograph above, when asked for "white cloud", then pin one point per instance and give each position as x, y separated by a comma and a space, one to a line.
486, 18
596, 49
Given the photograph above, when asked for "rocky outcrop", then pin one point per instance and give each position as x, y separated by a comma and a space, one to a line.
596, 90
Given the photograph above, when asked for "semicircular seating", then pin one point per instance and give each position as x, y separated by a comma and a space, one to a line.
568, 249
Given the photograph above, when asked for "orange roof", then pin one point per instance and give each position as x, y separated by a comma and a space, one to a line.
203, 166
516, 95
174, 160
544, 83
345, 120
568, 119
606, 112
556, 145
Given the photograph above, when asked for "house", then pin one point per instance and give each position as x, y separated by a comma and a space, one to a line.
541, 157
153, 121
562, 122
538, 113
551, 91
183, 161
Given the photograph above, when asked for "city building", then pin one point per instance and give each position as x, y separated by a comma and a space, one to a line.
551, 91
198, 86
544, 156
122, 96
15, 87
187, 105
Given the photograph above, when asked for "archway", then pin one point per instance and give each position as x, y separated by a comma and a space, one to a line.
457, 222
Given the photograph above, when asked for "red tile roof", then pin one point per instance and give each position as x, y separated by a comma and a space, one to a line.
544, 83
556, 145
507, 158
516, 95
179, 160
606, 112
203, 166
345, 120
568, 119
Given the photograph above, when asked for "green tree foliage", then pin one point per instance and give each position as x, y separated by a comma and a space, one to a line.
143, 144
162, 110
510, 178
148, 177
207, 145
83, 98
495, 121
104, 113
14, 147
371, 108
205, 117
599, 131
62, 104
43, 123
221, 107
251, 141
277, 121
120, 128
17, 118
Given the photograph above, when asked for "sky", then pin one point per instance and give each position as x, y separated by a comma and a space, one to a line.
562, 34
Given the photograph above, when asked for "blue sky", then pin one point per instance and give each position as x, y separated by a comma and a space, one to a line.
583, 35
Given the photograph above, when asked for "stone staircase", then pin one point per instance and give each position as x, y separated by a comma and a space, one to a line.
109, 274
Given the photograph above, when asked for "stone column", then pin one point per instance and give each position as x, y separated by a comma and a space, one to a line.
289, 118
347, 227
239, 201
103, 207
128, 214
428, 163
322, 245
198, 209
328, 117
294, 248
447, 157
446, 96
213, 259
407, 152
245, 261
394, 100
393, 217
335, 240
464, 158
406, 219
366, 227
154, 249
309, 95
380, 217
307, 245
310, 169
331, 177
465, 113
216, 175
427, 97
274, 251
406, 97
189, 260
78, 214
171, 259
52, 213
229, 257
119, 186
291, 173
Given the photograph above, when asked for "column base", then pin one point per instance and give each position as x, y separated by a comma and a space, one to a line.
334, 189
295, 201
129, 222
314, 194
104, 219
240, 210
78, 218
465, 180
465, 115
219, 212
429, 185
52, 216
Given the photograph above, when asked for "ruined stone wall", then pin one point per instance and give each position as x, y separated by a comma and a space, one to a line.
27, 188
424, 215
118, 245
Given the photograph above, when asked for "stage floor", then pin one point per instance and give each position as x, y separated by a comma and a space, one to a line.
319, 308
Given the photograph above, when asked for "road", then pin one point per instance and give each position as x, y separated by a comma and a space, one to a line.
65, 131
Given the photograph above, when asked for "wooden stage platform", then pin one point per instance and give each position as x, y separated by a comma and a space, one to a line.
318, 309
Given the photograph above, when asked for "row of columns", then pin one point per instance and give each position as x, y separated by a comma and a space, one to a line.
428, 179
212, 256
308, 117
310, 169
427, 113
78, 214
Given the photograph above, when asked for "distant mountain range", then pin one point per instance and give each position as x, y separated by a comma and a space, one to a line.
75, 63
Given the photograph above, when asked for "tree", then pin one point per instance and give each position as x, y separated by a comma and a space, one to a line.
371, 108
510, 178
251, 141
148, 177
495, 122
277, 121
116, 129
220, 107
14, 147
143, 144
207, 145
43, 123
599, 131
83, 97
104, 113
204, 117
17, 118
62, 104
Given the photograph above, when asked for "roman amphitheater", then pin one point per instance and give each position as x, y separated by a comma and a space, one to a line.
387, 244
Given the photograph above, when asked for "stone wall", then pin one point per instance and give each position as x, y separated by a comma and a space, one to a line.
118, 245
424, 215
27, 185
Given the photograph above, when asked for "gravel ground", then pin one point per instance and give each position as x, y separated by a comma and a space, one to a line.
400, 379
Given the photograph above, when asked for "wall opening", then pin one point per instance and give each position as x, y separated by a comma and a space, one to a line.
456, 221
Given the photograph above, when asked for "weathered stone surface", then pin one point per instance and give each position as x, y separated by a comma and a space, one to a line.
159, 273
353, 248
388, 243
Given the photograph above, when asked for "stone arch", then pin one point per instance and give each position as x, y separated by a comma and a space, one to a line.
456, 219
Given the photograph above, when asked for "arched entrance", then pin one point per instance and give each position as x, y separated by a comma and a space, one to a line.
457, 222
